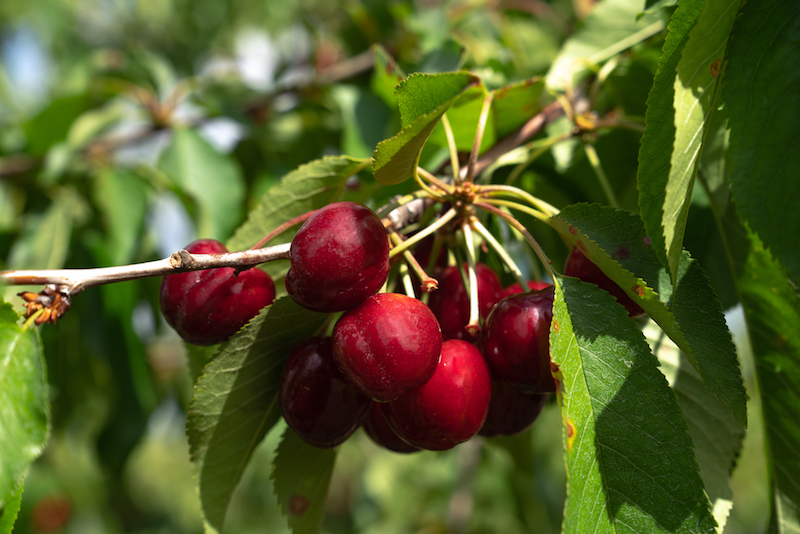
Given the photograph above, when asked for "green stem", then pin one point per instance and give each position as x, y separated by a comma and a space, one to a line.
32, 319
500, 250
476, 143
538, 148
446, 188
422, 234
594, 160
473, 326
451, 145
518, 194
519, 207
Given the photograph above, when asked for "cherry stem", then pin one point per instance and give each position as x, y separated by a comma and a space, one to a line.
282, 228
408, 284
476, 143
422, 234
473, 326
446, 188
594, 159
518, 194
73, 281
525, 233
451, 145
428, 284
500, 250
538, 148
519, 207
32, 319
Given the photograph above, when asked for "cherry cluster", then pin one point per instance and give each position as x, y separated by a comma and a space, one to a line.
412, 374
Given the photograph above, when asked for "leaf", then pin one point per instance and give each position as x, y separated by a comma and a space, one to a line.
761, 87
695, 93
24, 402
51, 125
386, 75
8, 513
307, 188
690, 315
122, 198
611, 27
423, 99
513, 105
656, 149
772, 313
716, 433
302, 475
210, 179
628, 454
235, 401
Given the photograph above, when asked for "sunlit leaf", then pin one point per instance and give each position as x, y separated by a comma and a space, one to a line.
761, 87
629, 456
772, 312
122, 197
9, 511
24, 402
385, 76
209, 178
611, 27
235, 401
302, 475
691, 315
423, 99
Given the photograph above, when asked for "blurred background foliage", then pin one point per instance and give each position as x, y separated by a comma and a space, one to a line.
130, 127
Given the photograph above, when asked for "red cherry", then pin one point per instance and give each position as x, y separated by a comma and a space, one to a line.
316, 400
451, 407
516, 340
533, 285
339, 257
579, 266
209, 306
450, 303
388, 344
378, 429
511, 411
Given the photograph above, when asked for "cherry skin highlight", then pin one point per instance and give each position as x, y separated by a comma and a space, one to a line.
387, 345
316, 400
377, 428
339, 257
451, 407
511, 411
579, 266
209, 306
450, 303
516, 341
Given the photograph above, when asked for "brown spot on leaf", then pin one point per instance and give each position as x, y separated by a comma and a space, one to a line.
298, 505
555, 326
781, 340
646, 241
572, 230
571, 433
715, 68
639, 290
622, 253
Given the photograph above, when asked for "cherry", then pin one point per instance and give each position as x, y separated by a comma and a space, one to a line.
579, 266
316, 400
511, 411
450, 303
451, 407
377, 428
388, 344
516, 340
533, 285
209, 306
339, 257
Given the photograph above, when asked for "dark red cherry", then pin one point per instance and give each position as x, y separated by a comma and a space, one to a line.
378, 429
450, 303
511, 411
579, 266
516, 340
533, 285
316, 400
451, 407
339, 257
209, 306
388, 344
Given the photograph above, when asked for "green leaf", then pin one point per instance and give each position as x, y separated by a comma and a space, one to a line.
629, 457
52, 124
309, 187
122, 198
513, 105
211, 180
235, 401
761, 87
772, 313
612, 27
8, 513
716, 433
423, 99
691, 314
302, 475
24, 402
386, 75
695, 93
656, 151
